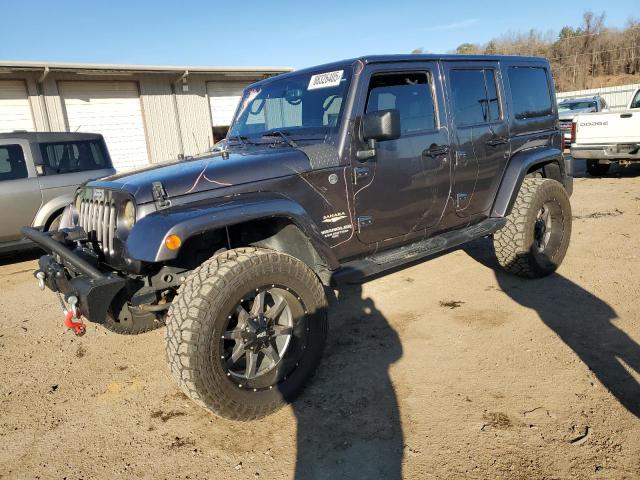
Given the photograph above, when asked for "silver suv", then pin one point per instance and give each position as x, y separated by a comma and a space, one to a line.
39, 173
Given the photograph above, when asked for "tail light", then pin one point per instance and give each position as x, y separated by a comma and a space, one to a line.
562, 141
574, 127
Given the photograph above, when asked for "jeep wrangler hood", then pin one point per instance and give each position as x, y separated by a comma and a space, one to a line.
214, 172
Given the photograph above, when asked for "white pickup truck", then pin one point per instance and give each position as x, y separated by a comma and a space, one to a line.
605, 138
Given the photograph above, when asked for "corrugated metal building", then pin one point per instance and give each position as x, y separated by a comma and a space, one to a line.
616, 97
146, 113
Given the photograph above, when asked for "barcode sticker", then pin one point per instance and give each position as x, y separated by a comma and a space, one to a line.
324, 80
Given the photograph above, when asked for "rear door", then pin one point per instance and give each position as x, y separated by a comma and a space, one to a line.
20, 196
405, 187
481, 134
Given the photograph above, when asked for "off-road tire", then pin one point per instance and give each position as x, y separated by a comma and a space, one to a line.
597, 169
197, 319
515, 244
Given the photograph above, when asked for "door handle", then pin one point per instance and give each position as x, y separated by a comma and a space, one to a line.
436, 150
495, 141
626, 115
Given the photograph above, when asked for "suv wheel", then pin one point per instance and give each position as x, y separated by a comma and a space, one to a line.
597, 169
536, 236
246, 331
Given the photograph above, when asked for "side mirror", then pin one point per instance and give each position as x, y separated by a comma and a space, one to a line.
378, 127
381, 125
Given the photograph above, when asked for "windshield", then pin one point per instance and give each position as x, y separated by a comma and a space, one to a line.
570, 106
307, 105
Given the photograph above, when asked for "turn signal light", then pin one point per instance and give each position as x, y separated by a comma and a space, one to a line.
173, 242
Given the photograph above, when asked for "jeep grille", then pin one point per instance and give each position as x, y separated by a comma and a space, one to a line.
98, 219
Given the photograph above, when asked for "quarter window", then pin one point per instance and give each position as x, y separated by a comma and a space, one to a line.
530, 92
77, 156
409, 93
475, 96
12, 163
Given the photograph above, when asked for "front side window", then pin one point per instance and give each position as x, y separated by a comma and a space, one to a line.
635, 103
308, 104
530, 92
409, 93
12, 163
475, 96
74, 156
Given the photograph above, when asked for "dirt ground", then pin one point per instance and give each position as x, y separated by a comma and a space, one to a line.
447, 369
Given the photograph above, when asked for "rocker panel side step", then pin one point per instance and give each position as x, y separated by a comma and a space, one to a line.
358, 270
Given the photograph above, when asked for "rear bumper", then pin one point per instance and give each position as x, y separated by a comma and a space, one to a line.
65, 271
606, 152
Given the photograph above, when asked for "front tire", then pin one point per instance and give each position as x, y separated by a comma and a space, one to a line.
597, 169
535, 239
246, 331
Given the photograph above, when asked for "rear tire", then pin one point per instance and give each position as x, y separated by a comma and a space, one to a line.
535, 239
246, 332
597, 169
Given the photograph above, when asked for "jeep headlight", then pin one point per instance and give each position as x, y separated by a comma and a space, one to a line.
128, 219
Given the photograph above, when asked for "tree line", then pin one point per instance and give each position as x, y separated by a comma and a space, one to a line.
588, 56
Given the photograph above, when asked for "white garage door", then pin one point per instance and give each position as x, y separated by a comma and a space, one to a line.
15, 110
112, 109
223, 100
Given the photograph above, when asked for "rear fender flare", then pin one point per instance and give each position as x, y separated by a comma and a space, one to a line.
517, 168
146, 242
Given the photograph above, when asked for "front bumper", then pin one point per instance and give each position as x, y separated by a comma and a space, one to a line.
68, 272
630, 151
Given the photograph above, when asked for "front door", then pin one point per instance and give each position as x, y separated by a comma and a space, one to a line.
480, 133
404, 188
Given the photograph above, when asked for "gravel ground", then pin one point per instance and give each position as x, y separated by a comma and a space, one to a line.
446, 369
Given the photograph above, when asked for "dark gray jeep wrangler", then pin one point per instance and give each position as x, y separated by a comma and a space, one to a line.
328, 174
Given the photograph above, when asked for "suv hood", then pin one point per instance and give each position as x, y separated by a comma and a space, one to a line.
209, 173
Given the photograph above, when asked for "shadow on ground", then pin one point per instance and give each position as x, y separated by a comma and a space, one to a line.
348, 418
20, 256
615, 171
583, 321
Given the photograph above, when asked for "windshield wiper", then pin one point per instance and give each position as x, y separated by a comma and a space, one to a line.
240, 138
283, 135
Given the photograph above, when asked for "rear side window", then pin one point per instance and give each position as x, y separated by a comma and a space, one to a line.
529, 92
12, 163
76, 156
475, 96
409, 93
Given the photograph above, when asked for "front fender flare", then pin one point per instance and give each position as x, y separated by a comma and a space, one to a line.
146, 242
516, 170
51, 207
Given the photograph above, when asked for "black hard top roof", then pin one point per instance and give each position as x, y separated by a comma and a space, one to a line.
370, 59
49, 137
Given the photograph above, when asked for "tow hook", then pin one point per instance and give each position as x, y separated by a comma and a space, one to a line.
71, 313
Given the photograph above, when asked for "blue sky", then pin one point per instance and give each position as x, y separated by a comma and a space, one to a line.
274, 33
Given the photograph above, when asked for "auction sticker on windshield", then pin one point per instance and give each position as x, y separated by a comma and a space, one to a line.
324, 80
